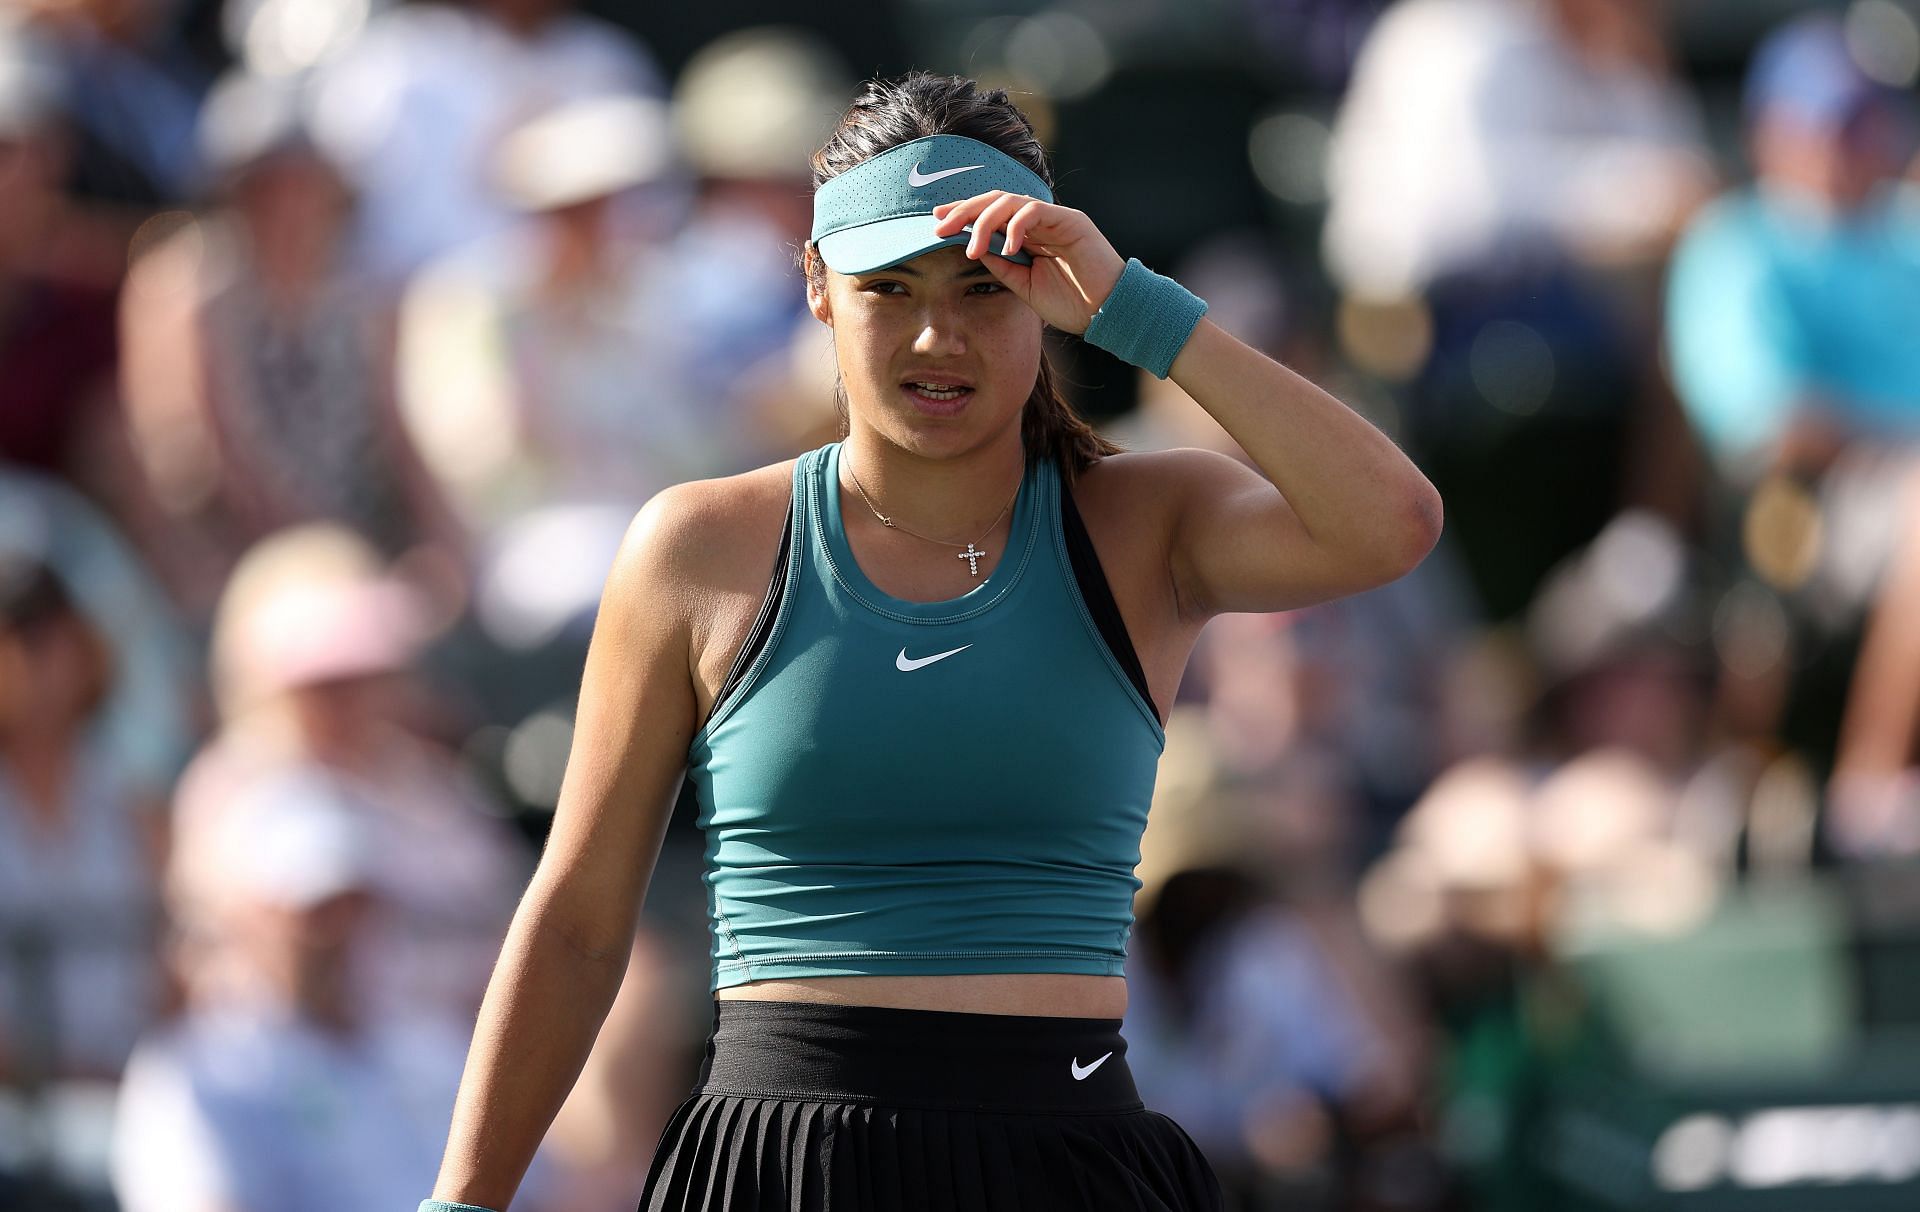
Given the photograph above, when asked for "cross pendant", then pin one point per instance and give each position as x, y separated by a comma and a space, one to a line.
973, 558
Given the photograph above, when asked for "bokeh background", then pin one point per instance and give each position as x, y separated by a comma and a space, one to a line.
339, 339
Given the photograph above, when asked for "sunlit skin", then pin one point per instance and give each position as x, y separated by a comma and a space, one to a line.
939, 314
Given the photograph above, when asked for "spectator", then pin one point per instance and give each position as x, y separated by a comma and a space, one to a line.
536, 365
422, 97
153, 710
1792, 300
56, 330
1242, 1029
1484, 136
1790, 333
1620, 648
543, 371
750, 107
1504, 180
79, 853
313, 649
258, 364
134, 94
301, 1095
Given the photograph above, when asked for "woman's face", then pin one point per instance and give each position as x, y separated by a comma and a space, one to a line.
52, 675
293, 197
938, 319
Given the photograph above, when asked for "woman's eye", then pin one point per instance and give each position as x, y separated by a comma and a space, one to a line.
885, 288
988, 288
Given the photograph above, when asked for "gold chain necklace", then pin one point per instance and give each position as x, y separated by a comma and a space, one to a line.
972, 555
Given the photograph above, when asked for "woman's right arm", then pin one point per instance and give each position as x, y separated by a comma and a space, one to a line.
567, 948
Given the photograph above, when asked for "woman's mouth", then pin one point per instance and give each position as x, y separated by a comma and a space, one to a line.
938, 399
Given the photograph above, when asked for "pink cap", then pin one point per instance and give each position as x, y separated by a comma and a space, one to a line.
323, 632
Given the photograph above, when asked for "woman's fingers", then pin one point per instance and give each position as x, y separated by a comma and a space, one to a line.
1018, 226
956, 215
953, 216
1074, 268
991, 219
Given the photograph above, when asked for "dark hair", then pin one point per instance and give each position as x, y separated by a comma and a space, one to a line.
888, 113
35, 607
31, 596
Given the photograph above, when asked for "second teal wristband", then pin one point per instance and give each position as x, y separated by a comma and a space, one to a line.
1146, 319
441, 1205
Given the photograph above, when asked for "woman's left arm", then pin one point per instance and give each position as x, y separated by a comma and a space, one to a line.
1340, 510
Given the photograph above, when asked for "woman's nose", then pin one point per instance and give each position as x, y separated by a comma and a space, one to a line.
940, 335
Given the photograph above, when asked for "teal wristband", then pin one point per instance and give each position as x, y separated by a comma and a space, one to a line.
1146, 319
441, 1205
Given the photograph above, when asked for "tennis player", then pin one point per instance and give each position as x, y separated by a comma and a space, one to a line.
923, 746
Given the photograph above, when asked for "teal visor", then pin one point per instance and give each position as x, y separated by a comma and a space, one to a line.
880, 212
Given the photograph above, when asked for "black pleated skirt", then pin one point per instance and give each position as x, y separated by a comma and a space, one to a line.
813, 1108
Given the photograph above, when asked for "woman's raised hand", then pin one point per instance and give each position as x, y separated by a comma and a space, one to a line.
1074, 267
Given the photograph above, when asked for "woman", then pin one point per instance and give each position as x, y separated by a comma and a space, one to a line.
924, 752
79, 845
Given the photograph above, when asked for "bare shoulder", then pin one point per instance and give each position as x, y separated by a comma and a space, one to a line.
706, 534
696, 563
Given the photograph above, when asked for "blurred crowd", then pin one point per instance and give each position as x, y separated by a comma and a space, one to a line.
340, 339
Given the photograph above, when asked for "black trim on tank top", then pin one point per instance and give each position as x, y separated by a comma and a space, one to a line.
769, 610
1098, 595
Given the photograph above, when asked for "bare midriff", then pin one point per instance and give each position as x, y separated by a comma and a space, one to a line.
1046, 994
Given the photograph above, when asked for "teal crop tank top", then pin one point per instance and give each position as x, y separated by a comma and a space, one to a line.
893, 787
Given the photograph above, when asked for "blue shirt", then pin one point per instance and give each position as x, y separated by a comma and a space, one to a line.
1771, 304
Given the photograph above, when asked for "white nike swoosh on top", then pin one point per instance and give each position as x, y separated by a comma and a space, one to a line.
1080, 1074
907, 665
916, 179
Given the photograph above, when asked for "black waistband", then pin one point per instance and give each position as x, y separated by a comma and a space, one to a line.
919, 1058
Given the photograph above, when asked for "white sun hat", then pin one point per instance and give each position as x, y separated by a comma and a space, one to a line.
583, 150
